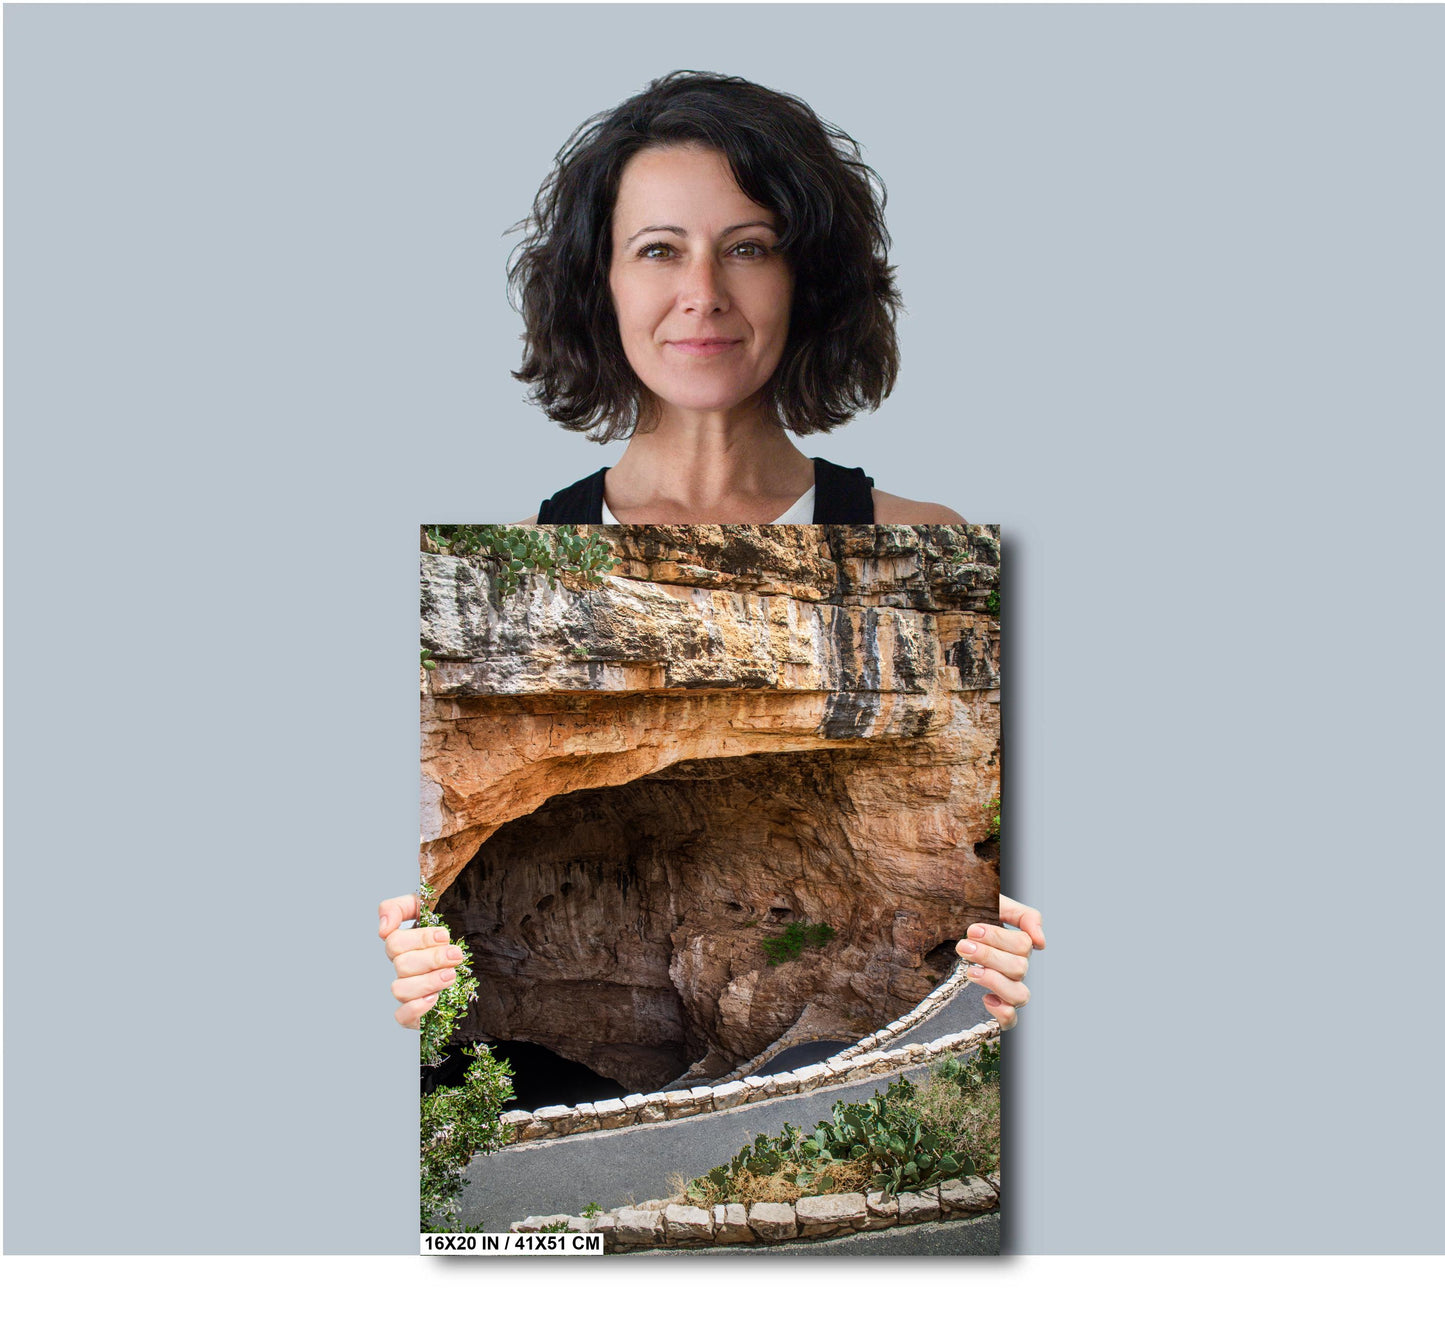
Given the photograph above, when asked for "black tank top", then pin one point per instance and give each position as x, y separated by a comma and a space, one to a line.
840, 495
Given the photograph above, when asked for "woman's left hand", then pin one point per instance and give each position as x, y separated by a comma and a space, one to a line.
1001, 957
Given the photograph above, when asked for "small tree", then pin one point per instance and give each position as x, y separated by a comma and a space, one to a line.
458, 1123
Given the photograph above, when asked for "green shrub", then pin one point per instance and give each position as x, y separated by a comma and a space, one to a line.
974, 1072
995, 809
904, 1153
906, 1139
765, 1157
796, 936
457, 1122
441, 1019
899, 1142
514, 551
963, 1101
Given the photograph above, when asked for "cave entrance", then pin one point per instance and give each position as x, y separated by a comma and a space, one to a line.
628, 929
539, 1076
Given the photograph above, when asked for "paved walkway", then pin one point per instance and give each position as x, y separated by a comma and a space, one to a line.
799, 1056
627, 1165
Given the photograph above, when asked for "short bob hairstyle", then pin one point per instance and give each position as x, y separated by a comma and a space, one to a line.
841, 354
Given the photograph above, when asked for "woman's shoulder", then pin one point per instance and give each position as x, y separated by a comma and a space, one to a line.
581, 502
895, 509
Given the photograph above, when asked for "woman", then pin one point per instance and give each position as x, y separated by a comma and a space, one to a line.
704, 271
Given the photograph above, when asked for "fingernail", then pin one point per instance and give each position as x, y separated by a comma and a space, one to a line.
438, 937
454, 955
448, 976
978, 932
967, 946
974, 970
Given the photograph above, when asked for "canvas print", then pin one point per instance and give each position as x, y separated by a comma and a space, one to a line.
710, 808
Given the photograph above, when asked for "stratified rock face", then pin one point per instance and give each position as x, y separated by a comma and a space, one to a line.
626, 790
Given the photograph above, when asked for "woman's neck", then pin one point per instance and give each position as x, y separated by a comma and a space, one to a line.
704, 469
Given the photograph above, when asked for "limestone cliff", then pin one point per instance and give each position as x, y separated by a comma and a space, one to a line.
624, 790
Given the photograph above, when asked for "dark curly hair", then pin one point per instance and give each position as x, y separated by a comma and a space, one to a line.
841, 354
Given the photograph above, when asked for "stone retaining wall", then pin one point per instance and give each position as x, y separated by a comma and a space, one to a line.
663, 1224
854, 1064
930, 1004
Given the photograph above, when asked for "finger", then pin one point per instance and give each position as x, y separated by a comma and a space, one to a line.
410, 1015
1026, 919
409, 988
415, 937
1010, 941
1010, 964
419, 962
1006, 1014
1013, 993
396, 910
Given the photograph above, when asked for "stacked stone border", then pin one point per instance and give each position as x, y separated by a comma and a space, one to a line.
931, 1003
854, 1064
662, 1224
926, 1007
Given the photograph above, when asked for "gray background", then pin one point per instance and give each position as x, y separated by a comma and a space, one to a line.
1174, 285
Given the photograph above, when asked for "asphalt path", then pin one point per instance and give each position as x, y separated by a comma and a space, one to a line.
627, 1165
799, 1056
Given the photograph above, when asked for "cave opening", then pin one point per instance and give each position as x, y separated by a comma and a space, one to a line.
539, 1075
624, 930
940, 959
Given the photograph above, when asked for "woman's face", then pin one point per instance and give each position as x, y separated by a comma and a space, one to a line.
701, 294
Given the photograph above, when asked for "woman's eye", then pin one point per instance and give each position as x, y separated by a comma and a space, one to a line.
655, 250
749, 248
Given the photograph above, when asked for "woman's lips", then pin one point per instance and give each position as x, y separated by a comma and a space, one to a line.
703, 347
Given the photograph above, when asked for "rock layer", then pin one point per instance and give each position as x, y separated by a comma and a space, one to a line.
625, 790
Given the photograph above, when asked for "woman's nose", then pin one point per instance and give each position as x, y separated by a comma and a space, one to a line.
703, 289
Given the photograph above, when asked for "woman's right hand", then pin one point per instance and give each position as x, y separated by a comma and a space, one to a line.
424, 957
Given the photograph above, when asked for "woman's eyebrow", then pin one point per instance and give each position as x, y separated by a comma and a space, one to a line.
682, 233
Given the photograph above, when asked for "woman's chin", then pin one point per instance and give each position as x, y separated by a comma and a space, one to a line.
708, 401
